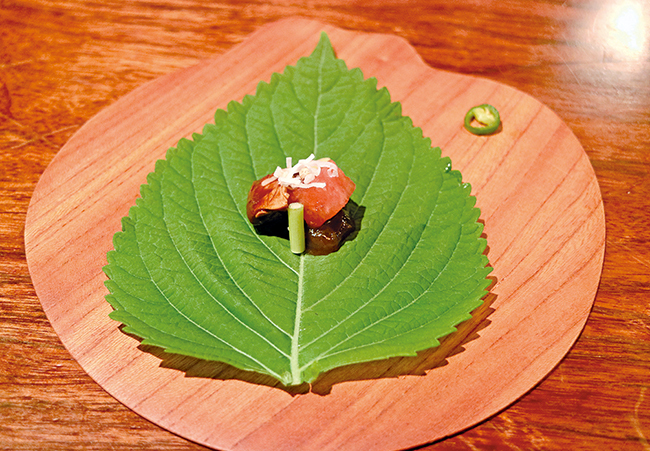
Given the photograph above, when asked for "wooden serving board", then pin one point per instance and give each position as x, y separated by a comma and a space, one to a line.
544, 223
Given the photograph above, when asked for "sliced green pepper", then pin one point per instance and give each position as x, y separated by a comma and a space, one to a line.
486, 115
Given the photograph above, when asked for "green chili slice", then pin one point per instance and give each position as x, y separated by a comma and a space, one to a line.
487, 117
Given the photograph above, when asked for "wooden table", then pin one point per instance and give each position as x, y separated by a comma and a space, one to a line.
62, 63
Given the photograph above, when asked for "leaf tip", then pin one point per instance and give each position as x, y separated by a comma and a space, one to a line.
324, 46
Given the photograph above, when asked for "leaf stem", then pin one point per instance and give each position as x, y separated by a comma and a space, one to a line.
297, 227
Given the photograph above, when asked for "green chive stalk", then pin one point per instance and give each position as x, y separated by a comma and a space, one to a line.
297, 227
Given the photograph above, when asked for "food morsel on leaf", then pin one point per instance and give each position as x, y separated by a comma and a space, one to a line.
190, 274
319, 185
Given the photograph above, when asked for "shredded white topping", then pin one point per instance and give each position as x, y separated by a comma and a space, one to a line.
303, 173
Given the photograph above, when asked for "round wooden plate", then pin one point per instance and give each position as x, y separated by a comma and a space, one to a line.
544, 223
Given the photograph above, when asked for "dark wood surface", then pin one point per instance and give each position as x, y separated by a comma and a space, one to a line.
63, 62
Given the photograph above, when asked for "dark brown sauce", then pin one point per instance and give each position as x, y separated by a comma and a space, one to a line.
329, 237
323, 240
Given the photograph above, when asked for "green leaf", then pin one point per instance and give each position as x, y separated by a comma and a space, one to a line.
190, 274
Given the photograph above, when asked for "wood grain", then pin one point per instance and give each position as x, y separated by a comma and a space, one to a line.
62, 62
543, 217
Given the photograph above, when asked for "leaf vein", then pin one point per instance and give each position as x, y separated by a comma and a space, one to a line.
191, 321
372, 246
327, 354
